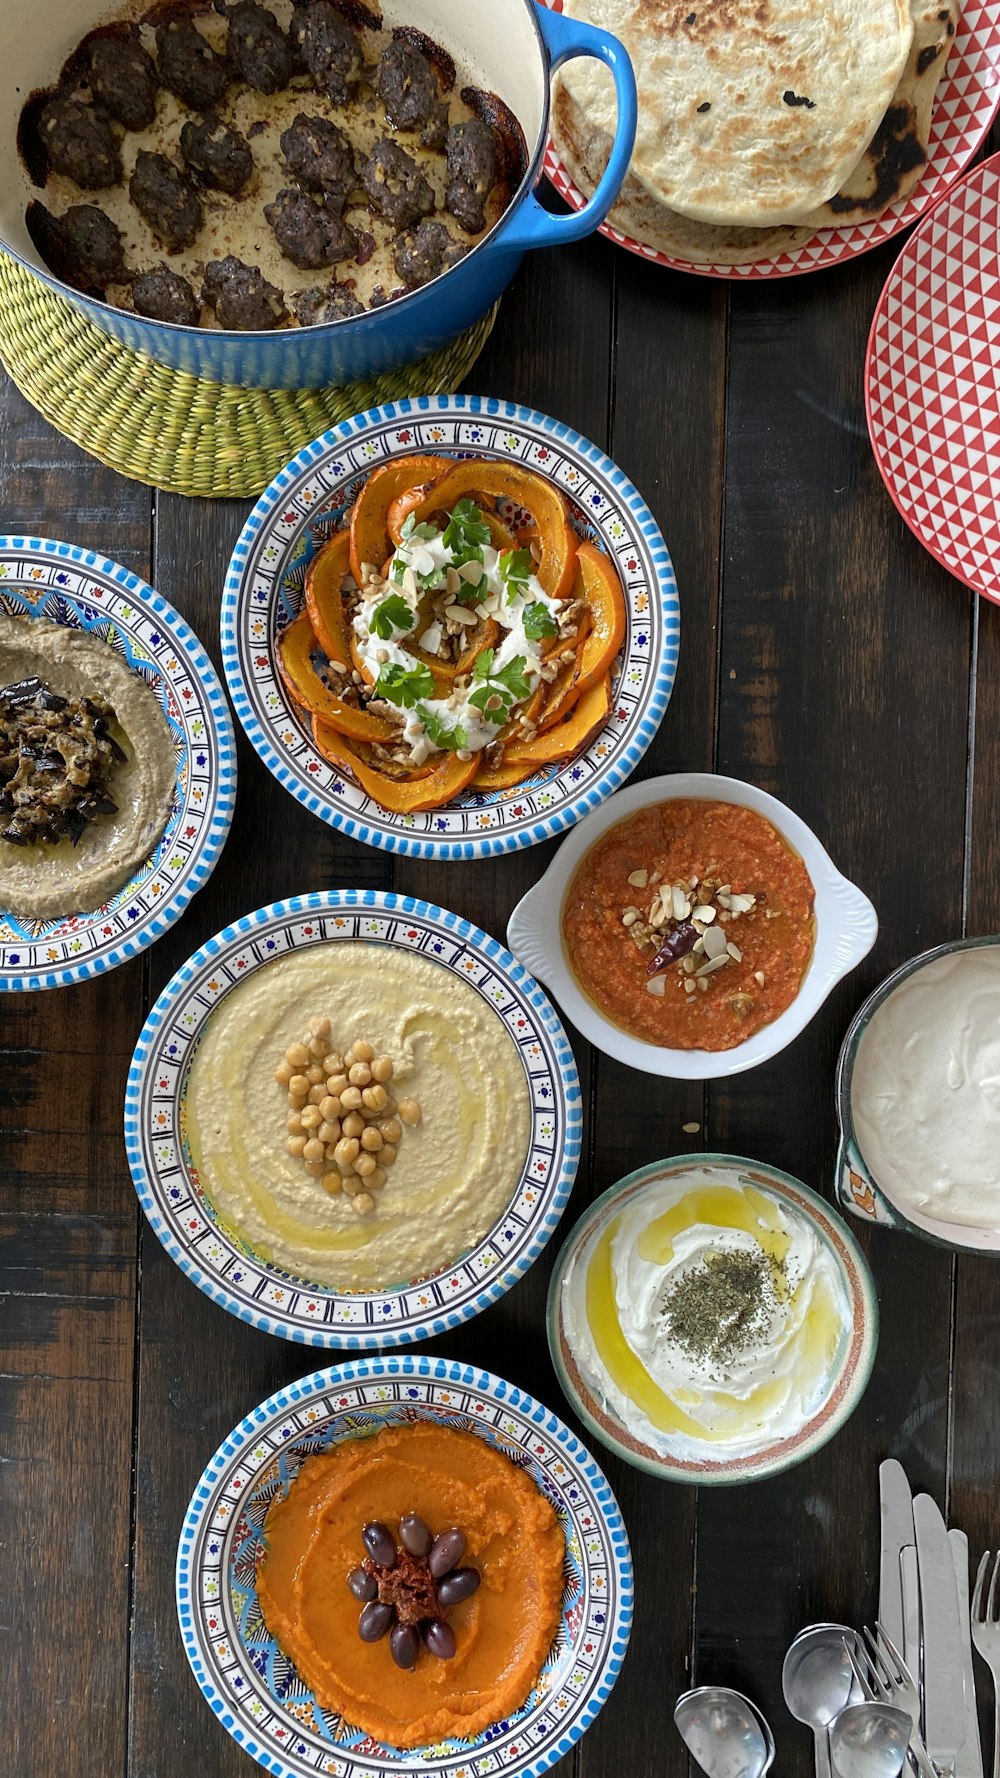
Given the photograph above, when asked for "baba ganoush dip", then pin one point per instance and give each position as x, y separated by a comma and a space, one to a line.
925, 1090
453, 1175
706, 1316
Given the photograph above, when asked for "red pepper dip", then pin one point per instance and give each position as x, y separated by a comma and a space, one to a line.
690, 925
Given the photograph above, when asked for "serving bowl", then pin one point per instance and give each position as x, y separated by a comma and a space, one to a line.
846, 928
307, 502
852, 1364
255, 1289
857, 1186
513, 46
249, 1683
62, 584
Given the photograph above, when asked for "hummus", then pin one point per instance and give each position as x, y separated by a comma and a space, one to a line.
45, 881
503, 1632
455, 1174
730, 1390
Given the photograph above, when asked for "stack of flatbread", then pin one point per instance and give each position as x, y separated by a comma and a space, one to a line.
760, 121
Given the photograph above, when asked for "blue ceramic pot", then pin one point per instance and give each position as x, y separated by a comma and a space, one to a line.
513, 46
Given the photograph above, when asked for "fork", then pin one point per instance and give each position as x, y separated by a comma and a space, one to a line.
986, 1636
882, 1674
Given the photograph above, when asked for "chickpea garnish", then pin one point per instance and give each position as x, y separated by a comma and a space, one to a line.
350, 1098
410, 1112
371, 1139
283, 1073
332, 1183
363, 1203
359, 1074
298, 1055
382, 1069
341, 1119
387, 1154
319, 1027
353, 1124
363, 1052
298, 1085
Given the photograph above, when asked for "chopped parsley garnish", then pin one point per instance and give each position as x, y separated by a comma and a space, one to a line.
439, 733
539, 621
474, 593
426, 533
467, 533
516, 568
496, 692
426, 581
393, 614
404, 685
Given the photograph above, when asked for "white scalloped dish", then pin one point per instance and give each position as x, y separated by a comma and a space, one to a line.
845, 929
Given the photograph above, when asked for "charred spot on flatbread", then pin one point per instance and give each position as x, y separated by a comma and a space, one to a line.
894, 153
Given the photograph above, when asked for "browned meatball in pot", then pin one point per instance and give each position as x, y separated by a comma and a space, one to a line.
320, 157
243, 300
336, 303
218, 153
258, 49
330, 50
165, 200
425, 252
189, 65
163, 295
473, 171
82, 247
396, 186
310, 232
124, 80
80, 142
411, 92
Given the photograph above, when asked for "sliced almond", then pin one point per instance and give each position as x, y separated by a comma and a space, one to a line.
704, 915
690, 1129
698, 948
368, 573
630, 916
410, 587
715, 942
724, 898
692, 882
680, 905
657, 985
471, 572
735, 953
638, 879
712, 965
460, 614
655, 876
689, 986
452, 581
758, 976
743, 903
724, 889
688, 965
704, 987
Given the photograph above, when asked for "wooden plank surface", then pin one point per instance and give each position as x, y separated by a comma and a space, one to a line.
825, 657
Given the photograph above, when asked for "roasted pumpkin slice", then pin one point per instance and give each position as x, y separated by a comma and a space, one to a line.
599, 584
431, 788
474, 476
500, 777
565, 688
296, 647
571, 736
325, 598
368, 527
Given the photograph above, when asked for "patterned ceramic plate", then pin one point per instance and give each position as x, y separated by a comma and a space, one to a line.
66, 585
307, 503
965, 107
229, 1272
256, 1693
932, 382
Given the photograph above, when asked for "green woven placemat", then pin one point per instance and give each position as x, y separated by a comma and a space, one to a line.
168, 428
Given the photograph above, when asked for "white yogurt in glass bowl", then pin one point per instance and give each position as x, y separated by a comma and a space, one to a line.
712, 1320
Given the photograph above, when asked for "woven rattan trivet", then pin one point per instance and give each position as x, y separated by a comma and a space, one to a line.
168, 428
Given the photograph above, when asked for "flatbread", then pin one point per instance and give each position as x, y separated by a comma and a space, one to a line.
888, 171
751, 112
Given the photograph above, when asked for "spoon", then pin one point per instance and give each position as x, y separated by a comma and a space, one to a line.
724, 1732
870, 1741
817, 1681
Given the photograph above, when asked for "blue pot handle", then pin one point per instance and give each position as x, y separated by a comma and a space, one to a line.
531, 225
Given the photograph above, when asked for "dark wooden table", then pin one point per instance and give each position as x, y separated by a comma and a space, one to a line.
825, 657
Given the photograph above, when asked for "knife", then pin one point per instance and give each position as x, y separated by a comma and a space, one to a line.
970, 1759
944, 1678
897, 1531
911, 1612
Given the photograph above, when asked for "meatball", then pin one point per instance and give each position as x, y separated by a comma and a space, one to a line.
82, 247
320, 157
259, 51
424, 253
124, 80
336, 303
243, 300
329, 48
79, 141
165, 200
310, 233
164, 295
411, 92
473, 171
396, 186
218, 152
189, 65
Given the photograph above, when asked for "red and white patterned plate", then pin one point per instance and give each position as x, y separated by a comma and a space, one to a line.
932, 381
964, 109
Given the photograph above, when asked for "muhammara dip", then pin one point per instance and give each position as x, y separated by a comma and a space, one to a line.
454, 1174
45, 881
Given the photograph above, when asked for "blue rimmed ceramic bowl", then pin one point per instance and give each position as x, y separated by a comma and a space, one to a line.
66, 585
254, 1690
306, 504
225, 1268
858, 1188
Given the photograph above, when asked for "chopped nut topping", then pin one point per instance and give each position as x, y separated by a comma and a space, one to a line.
638, 879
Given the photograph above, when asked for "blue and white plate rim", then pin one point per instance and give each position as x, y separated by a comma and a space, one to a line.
154, 609
415, 1370
373, 827
405, 1326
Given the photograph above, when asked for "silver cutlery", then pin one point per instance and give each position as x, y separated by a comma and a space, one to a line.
724, 1732
817, 1682
896, 1515
986, 1636
970, 1759
883, 1675
870, 1741
943, 1688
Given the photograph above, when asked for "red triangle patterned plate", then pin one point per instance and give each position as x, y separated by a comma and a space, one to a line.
932, 381
964, 110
